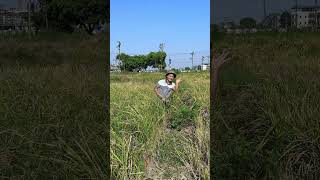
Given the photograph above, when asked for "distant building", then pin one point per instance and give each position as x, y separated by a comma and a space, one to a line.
205, 67
114, 68
305, 16
15, 18
12, 20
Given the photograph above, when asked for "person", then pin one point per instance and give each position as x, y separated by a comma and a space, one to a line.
165, 87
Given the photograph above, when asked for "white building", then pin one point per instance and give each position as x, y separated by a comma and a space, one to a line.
305, 16
15, 18
12, 20
114, 68
205, 67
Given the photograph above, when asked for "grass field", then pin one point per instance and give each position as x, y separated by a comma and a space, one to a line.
52, 112
267, 115
148, 140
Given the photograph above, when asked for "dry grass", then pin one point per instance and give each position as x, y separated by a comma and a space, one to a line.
140, 134
52, 114
267, 117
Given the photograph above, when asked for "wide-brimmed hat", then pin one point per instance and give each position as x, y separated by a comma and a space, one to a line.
171, 72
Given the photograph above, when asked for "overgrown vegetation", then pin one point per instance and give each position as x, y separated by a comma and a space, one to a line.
267, 115
52, 107
176, 140
184, 111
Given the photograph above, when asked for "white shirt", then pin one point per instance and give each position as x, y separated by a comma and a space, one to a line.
165, 88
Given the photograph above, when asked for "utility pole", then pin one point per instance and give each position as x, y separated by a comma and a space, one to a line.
296, 14
47, 21
118, 46
29, 18
192, 54
316, 14
161, 46
169, 64
264, 9
202, 59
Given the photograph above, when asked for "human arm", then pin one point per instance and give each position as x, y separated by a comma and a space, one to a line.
176, 87
156, 90
218, 61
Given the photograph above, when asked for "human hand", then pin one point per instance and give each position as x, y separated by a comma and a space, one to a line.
178, 80
161, 97
218, 61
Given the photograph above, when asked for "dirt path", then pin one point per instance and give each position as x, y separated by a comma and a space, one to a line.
170, 160
158, 170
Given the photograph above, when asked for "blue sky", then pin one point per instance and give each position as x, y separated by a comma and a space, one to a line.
183, 26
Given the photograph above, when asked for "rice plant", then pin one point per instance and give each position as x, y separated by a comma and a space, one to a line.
267, 115
150, 140
52, 108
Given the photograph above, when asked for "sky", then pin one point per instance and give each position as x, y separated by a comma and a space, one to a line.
8, 3
183, 26
237, 9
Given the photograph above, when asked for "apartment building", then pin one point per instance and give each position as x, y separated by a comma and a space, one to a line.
305, 16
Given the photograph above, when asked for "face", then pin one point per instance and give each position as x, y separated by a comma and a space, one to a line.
170, 77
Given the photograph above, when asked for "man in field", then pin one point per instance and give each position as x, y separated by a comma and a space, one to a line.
166, 87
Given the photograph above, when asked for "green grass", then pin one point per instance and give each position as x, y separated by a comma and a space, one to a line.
52, 108
137, 118
267, 115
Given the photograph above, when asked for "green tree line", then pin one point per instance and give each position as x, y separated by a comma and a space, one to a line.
65, 15
139, 62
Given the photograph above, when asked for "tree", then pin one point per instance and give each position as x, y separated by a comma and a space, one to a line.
187, 68
91, 13
285, 19
248, 22
157, 59
139, 62
132, 63
64, 15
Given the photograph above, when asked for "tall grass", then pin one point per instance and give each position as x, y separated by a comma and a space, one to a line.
267, 116
137, 128
52, 108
